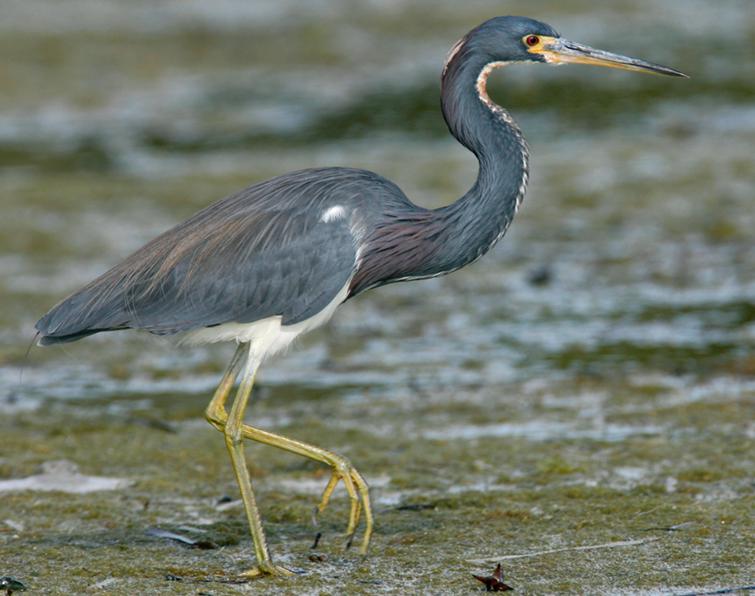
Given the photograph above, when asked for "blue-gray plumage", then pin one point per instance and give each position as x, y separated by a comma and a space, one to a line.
274, 260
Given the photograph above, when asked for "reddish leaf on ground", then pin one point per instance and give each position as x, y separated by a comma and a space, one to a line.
494, 583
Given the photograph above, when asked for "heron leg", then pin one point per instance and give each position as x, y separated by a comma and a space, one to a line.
231, 425
215, 412
343, 470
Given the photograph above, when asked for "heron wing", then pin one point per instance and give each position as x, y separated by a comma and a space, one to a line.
266, 251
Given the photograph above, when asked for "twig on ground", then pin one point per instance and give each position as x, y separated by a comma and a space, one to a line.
722, 591
495, 558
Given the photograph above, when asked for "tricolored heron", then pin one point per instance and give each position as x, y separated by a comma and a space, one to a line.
275, 260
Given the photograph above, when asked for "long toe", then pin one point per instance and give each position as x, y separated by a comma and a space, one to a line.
358, 492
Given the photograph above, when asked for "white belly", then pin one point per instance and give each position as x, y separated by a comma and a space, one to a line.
267, 336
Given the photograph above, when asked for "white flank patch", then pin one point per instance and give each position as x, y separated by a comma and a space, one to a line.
267, 336
333, 213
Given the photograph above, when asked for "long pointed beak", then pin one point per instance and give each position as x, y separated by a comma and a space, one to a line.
556, 50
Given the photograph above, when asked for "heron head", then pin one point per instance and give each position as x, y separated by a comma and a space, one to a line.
520, 39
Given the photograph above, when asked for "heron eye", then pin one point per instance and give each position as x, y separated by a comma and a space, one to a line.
532, 40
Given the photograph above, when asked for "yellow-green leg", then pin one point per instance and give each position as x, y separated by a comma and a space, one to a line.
354, 483
215, 412
234, 442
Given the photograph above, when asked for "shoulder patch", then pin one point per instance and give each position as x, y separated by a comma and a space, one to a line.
333, 213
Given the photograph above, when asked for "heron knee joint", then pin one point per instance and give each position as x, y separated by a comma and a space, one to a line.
233, 435
342, 464
216, 418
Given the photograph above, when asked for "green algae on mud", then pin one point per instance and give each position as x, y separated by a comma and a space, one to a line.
439, 505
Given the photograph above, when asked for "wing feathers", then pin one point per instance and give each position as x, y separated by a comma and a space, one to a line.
259, 253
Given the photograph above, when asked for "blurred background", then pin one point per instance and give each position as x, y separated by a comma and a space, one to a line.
618, 312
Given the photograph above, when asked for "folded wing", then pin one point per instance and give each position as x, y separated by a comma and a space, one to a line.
266, 251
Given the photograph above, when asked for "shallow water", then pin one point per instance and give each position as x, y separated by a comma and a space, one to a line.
599, 362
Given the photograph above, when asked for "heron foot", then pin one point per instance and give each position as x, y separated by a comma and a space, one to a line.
266, 569
359, 495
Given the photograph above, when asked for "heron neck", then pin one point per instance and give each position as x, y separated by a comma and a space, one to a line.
477, 220
422, 243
